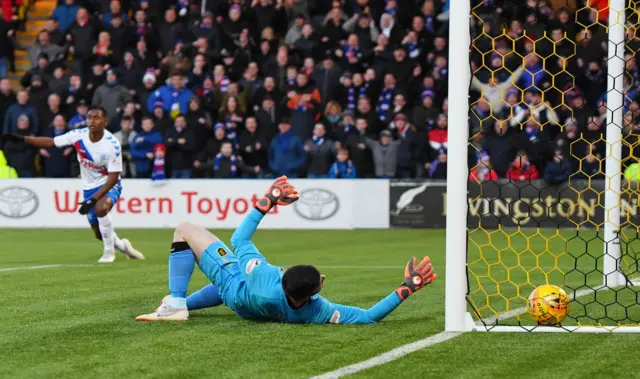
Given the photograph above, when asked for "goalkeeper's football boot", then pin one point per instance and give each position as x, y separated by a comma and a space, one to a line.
164, 300
107, 257
130, 251
166, 312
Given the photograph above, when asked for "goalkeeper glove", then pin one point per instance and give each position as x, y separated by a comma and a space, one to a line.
87, 205
281, 192
416, 277
14, 137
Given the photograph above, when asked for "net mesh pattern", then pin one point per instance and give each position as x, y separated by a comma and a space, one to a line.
537, 153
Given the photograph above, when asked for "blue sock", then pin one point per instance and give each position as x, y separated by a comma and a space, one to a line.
206, 297
181, 264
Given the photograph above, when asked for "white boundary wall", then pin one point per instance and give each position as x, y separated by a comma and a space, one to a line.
221, 204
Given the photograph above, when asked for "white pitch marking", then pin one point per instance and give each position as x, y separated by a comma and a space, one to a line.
544, 268
435, 339
389, 356
6, 269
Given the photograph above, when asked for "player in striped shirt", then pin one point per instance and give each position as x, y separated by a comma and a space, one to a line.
100, 158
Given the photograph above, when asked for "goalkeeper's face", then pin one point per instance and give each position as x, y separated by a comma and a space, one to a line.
300, 283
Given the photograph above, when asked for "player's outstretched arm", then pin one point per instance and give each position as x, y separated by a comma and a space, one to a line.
39, 142
64, 140
281, 192
416, 277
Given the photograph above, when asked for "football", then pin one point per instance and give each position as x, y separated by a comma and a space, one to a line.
548, 305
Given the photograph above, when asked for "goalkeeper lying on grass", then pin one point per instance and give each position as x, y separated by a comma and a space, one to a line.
254, 289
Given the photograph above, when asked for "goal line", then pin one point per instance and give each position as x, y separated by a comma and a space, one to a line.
561, 329
444, 336
485, 324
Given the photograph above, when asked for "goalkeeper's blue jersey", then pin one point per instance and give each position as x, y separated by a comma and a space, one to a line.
259, 294
261, 297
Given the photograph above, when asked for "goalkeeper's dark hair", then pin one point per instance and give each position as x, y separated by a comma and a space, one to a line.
301, 282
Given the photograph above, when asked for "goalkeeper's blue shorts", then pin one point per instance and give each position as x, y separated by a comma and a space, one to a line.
221, 267
113, 194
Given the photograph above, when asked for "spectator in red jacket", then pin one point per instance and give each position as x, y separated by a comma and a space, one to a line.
439, 136
521, 169
483, 171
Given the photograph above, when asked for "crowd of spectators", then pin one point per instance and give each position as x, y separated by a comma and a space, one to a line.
12, 17
318, 88
540, 87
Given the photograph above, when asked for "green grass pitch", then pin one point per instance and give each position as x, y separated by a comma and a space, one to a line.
77, 320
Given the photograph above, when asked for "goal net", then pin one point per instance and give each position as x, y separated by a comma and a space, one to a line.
552, 163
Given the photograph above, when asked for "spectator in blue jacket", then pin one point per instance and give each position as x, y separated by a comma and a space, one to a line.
22, 107
558, 170
286, 153
114, 9
80, 118
343, 167
65, 14
534, 74
142, 148
175, 96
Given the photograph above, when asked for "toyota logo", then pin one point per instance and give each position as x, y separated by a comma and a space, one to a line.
317, 204
18, 202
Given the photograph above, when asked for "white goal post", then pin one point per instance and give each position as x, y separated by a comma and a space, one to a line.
458, 317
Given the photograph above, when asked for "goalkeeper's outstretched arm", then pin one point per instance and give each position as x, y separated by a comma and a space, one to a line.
279, 193
241, 238
345, 314
417, 276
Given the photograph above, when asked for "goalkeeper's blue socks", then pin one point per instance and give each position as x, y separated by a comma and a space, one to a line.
206, 297
181, 264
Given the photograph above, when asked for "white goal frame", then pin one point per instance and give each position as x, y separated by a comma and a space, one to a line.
457, 316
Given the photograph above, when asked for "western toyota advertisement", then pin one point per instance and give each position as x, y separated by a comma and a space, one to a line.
323, 204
